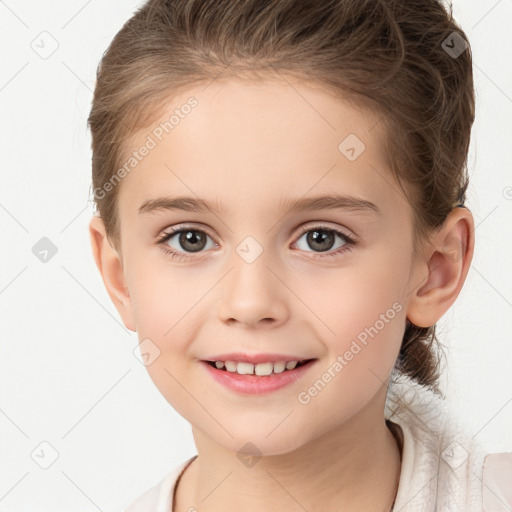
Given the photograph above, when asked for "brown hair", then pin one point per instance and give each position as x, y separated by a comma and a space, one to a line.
396, 57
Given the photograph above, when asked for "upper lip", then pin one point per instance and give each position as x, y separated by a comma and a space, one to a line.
256, 358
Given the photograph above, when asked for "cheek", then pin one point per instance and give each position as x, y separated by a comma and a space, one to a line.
161, 293
360, 313
345, 301
164, 305
171, 307
163, 302
363, 320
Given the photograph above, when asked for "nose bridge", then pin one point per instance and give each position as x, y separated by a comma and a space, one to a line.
253, 292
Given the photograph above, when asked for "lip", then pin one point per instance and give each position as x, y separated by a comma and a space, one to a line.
243, 357
254, 384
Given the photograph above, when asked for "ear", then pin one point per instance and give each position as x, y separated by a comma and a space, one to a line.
443, 266
110, 266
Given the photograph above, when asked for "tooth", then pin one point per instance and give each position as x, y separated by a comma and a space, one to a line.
261, 369
230, 366
245, 368
279, 367
264, 368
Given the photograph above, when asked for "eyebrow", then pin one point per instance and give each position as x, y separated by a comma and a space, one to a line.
325, 202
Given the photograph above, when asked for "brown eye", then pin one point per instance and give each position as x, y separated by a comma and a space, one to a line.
182, 241
320, 239
192, 240
323, 239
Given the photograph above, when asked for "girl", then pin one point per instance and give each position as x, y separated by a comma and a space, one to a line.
315, 154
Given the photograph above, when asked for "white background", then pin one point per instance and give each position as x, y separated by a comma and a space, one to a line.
68, 375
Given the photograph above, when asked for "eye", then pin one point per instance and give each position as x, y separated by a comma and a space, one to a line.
191, 239
322, 238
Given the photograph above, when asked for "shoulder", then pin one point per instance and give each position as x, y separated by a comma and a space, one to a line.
443, 467
159, 497
497, 482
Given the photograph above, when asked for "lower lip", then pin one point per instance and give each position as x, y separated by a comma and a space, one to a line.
253, 384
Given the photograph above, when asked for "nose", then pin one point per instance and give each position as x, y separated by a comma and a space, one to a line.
254, 294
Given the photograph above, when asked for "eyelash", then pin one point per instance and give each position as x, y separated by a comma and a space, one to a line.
349, 241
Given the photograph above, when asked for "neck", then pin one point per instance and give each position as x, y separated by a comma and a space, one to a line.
356, 464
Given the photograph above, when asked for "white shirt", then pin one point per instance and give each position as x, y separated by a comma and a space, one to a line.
442, 469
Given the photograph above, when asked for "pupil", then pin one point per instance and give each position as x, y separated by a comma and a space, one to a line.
189, 240
319, 237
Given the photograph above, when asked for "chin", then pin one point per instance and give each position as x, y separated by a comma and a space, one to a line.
260, 444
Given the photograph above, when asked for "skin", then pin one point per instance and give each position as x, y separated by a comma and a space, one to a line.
250, 145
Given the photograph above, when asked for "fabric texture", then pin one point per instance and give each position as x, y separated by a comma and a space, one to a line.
443, 468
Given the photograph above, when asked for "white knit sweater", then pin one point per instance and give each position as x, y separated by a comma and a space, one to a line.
442, 467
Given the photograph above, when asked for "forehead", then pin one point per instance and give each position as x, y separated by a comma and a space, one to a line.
258, 144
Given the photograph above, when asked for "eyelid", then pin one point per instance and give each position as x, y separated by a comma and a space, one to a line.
183, 227
302, 229
322, 224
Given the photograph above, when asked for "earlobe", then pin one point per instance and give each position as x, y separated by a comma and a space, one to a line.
445, 267
110, 266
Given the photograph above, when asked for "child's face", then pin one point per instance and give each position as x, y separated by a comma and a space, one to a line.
258, 283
